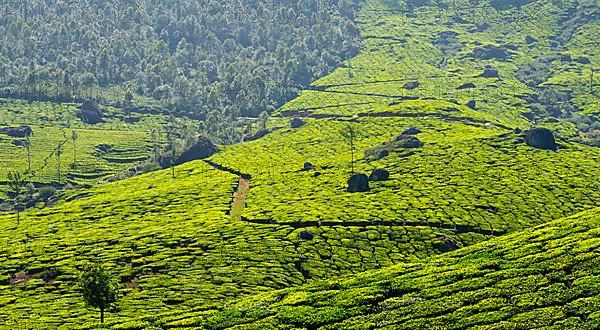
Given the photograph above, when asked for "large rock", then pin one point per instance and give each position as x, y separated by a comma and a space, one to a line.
306, 235
411, 85
260, 134
297, 123
541, 138
408, 141
445, 244
18, 132
530, 39
411, 131
382, 154
466, 86
308, 166
489, 52
358, 183
583, 60
482, 26
490, 73
472, 104
202, 149
90, 113
379, 174
565, 58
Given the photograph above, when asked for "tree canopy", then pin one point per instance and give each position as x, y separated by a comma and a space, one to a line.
99, 289
191, 57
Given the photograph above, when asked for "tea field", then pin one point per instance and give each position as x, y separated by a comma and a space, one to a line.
545, 277
98, 151
446, 240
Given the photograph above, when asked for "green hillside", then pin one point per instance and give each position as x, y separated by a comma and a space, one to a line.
121, 141
255, 217
542, 278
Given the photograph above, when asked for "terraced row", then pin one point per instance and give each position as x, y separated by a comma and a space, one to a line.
546, 277
128, 142
466, 174
173, 246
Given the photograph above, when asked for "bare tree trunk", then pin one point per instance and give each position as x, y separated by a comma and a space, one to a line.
58, 168
352, 157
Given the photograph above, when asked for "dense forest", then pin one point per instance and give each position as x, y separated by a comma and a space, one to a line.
229, 58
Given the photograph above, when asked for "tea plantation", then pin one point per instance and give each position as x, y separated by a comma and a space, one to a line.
545, 277
441, 98
99, 151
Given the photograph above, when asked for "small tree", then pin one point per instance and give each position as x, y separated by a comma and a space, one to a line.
74, 137
99, 288
263, 119
349, 133
17, 183
172, 157
59, 151
27, 145
128, 97
172, 147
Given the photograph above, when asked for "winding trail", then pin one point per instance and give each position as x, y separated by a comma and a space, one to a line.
238, 202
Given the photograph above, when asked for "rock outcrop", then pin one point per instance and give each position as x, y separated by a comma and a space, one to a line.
90, 113
18, 132
541, 138
358, 183
297, 123
379, 174
411, 85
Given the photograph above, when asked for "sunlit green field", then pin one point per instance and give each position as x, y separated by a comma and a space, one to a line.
82, 160
185, 262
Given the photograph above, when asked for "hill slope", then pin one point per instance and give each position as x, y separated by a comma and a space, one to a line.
546, 277
178, 244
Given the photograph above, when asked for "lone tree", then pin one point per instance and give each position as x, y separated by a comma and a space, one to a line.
263, 120
58, 153
172, 148
27, 145
349, 133
99, 289
17, 183
74, 137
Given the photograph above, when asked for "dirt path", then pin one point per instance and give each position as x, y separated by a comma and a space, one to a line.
238, 202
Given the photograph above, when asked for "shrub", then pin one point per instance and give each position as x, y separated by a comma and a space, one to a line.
46, 192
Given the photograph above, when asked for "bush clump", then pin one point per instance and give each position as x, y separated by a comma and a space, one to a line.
46, 192
541, 138
402, 141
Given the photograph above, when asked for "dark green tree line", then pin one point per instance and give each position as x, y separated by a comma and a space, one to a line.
192, 57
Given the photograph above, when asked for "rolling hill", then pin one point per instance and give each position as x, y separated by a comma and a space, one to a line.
545, 277
449, 92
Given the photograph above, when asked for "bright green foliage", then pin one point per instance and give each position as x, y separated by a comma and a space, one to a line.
16, 182
126, 134
98, 287
546, 277
178, 249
